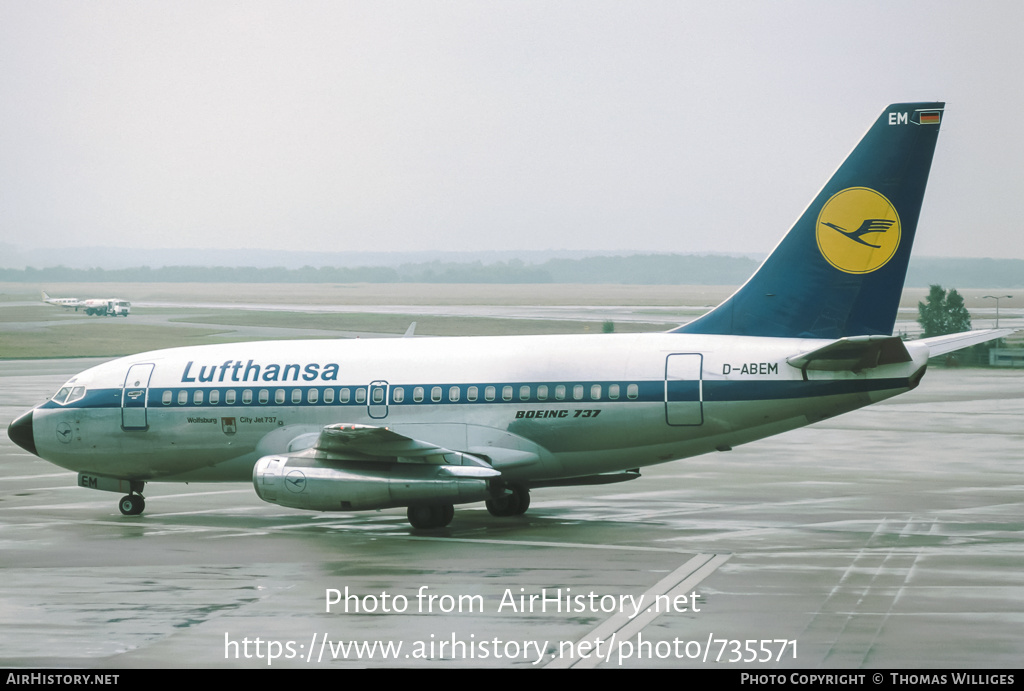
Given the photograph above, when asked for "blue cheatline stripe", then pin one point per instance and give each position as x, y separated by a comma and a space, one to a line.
721, 391
714, 391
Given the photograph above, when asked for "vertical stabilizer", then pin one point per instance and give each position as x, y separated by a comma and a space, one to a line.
840, 269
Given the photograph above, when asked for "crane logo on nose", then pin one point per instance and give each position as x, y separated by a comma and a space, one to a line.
64, 434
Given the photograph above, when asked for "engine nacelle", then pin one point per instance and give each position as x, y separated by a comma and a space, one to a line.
304, 482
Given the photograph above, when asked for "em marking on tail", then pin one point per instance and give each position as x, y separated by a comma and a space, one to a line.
850, 224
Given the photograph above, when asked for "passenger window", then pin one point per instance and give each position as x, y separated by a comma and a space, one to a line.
398, 394
215, 397
247, 396
595, 392
560, 392
279, 396
417, 394
264, 395
344, 395
542, 392
296, 395
313, 395
378, 395
524, 393
197, 397
632, 391
471, 393
454, 393
167, 397
229, 397
328, 395
489, 393
506, 393
613, 392
435, 394
182, 397
361, 395
577, 392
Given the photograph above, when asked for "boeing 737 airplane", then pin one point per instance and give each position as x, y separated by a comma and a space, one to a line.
426, 424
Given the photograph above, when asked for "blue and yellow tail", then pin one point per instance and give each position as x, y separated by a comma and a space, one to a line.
840, 269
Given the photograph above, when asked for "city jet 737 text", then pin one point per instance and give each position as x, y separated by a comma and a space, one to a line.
429, 423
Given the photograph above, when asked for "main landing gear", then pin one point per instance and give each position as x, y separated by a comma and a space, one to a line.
132, 504
515, 503
424, 516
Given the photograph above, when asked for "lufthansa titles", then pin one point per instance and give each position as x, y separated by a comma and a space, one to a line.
251, 371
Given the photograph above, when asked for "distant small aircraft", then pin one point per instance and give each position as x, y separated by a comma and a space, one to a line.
110, 307
62, 302
428, 423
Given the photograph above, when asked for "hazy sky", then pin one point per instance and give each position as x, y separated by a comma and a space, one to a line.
641, 126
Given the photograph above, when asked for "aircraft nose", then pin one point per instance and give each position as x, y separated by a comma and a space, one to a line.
20, 432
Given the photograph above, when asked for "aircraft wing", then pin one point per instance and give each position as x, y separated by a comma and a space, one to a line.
854, 353
940, 345
351, 442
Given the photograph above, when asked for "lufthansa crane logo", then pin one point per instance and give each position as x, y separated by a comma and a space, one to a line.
295, 481
858, 230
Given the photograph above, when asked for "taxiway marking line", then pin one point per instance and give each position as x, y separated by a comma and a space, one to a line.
559, 545
619, 625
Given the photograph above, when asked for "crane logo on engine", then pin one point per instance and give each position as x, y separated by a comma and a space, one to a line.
295, 481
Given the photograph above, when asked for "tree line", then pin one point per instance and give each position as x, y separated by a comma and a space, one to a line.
637, 269
666, 269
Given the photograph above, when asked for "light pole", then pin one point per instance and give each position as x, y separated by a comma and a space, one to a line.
997, 298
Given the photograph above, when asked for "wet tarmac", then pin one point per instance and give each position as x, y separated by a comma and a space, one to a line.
890, 537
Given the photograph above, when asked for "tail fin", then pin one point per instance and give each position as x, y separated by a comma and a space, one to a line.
840, 269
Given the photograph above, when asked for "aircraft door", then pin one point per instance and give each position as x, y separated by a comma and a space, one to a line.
377, 400
134, 397
684, 391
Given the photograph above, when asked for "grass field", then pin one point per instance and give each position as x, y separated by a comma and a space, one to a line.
398, 323
97, 339
380, 293
32, 329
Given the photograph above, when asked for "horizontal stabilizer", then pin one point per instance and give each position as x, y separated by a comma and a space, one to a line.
853, 354
940, 345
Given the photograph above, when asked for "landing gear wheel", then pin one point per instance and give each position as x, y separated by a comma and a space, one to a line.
132, 504
523, 495
514, 504
434, 516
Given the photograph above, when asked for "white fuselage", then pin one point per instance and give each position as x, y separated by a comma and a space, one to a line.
582, 405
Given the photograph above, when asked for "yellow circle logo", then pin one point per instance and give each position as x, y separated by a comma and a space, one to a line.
858, 230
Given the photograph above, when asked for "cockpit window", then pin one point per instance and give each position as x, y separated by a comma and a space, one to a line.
69, 394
